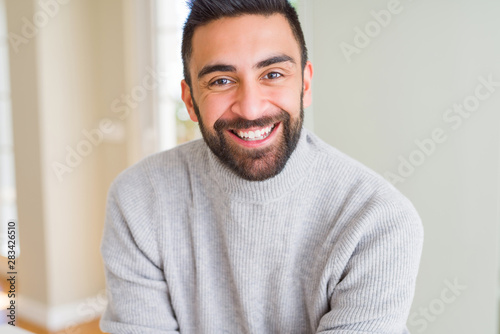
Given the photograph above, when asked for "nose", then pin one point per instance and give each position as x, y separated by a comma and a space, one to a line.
250, 102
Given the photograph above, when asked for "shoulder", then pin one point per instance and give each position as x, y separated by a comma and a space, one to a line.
159, 172
342, 166
336, 168
358, 189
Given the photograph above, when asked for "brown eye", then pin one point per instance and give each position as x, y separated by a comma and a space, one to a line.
221, 82
273, 75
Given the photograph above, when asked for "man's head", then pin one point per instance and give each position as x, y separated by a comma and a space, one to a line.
206, 11
247, 80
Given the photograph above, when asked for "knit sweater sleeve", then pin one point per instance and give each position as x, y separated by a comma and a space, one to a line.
138, 295
379, 263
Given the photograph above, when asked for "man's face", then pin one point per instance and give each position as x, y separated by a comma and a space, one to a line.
248, 92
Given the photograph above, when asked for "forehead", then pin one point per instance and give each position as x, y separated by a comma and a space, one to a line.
243, 39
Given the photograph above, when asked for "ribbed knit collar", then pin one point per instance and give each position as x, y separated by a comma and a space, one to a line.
297, 167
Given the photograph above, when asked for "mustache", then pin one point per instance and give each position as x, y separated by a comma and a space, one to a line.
242, 124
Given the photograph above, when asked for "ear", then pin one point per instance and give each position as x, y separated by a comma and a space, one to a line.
188, 100
308, 74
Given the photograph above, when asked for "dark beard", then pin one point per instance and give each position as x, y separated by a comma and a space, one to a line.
254, 164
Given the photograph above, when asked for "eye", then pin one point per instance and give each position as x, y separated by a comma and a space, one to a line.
273, 75
220, 82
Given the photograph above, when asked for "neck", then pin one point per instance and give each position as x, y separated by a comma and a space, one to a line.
293, 173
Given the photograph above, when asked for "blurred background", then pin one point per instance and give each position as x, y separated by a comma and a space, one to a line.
410, 88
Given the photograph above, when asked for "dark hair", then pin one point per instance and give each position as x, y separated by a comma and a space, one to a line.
206, 11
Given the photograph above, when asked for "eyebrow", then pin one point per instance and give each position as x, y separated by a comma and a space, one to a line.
274, 60
230, 68
215, 68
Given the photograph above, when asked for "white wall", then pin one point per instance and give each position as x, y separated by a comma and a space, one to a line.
65, 74
374, 105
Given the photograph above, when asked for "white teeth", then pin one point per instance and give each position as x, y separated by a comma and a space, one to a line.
255, 135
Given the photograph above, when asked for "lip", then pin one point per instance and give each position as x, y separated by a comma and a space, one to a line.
256, 143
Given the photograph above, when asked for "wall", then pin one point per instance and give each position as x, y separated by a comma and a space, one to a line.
67, 67
376, 97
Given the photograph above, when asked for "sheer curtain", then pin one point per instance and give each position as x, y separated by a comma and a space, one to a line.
175, 127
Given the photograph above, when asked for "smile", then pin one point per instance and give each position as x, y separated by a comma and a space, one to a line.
254, 135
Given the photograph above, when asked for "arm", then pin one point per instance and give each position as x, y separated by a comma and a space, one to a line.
375, 292
138, 296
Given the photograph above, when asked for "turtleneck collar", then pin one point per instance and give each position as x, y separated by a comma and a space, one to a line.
295, 170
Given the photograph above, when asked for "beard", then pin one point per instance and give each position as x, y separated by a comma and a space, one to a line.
256, 164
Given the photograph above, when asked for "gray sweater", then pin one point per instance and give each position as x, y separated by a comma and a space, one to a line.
326, 246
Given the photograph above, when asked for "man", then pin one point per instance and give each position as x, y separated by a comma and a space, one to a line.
261, 227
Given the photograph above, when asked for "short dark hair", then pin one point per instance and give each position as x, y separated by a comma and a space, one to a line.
206, 11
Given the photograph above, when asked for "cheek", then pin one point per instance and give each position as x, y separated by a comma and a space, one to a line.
214, 107
287, 99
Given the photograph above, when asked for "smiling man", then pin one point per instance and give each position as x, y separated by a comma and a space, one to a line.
260, 227
250, 87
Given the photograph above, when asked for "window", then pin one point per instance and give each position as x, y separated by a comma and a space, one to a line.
175, 126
